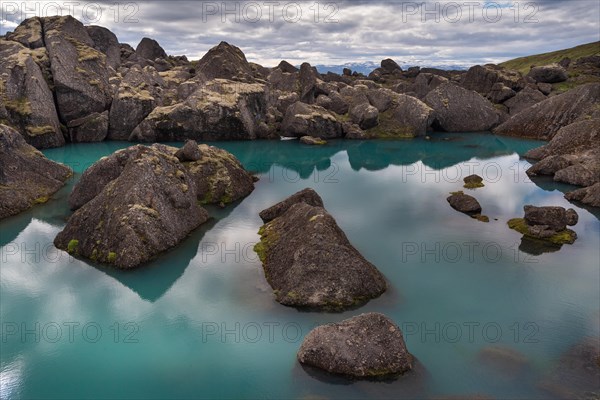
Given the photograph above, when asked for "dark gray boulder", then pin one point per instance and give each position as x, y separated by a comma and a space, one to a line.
92, 128
150, 50
27, 102
308, 83
364, 115
589, 196
106, 42
464, 203
425, 83
544, 119
285, 66
310, 263
303, 119
225, 61
523, 100
189, 152
79, 71
483, 78
460, 110
29, 33
308, 196
390, 66
500, 93
366, 346
552, 73
27, 177
142, 201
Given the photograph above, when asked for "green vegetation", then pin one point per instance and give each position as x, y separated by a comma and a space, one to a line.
39, 130
566, 236
473, 185
72, 246
388, 128
20, 106
523, 64
41, 200
112, 257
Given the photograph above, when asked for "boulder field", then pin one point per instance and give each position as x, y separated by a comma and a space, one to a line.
61, 81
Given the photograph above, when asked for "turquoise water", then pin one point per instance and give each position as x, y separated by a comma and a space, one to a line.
201, 322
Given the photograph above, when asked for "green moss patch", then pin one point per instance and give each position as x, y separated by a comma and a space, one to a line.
72, 246
566, 236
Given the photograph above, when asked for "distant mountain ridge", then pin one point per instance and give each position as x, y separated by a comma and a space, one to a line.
368, 66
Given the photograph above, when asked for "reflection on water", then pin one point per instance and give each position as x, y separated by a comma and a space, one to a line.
201, 321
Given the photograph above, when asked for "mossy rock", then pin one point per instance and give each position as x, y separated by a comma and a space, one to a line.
72, 246
566, 236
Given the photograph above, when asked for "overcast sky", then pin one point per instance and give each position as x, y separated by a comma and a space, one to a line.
425, 33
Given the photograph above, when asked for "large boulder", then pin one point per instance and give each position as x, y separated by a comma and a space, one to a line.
552, 73
142, 201
523, 100
308, 196
572, 156
460, 110
403, 117
366, 346
106, 42
303, 119
92, 128
483, 78
216, 177
27, 177
310, 263
27, 100
29, 33
79, 71
425, 83
364, 115
227, 62
544, 119
150, 50
308, 77
219, 110
390, 66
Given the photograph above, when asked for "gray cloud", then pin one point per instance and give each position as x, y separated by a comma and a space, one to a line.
426, 32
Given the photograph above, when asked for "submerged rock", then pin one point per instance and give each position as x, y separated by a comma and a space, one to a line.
312, 140
27, 177
366, 346
142, 201
308, 260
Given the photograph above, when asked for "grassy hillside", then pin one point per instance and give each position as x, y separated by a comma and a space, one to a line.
523, 64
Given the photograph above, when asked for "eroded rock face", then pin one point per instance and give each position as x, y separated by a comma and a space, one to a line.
219, 110
572, 156
589, 195
26, 98
483, 78
303, 119
141, 201
460, 110
308, 260
523, 100
150, 50
27, 177
92, 128
79, 70
544, 119
366, 346
106, 42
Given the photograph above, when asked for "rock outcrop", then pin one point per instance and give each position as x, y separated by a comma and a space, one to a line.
219, 110
552, 73
27, 177
464, 203
461, 110
225, 61
544, 119
302, 119
150, 50
308, 260
366, 346
547, 223
24, 93
141, 201
589, 195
